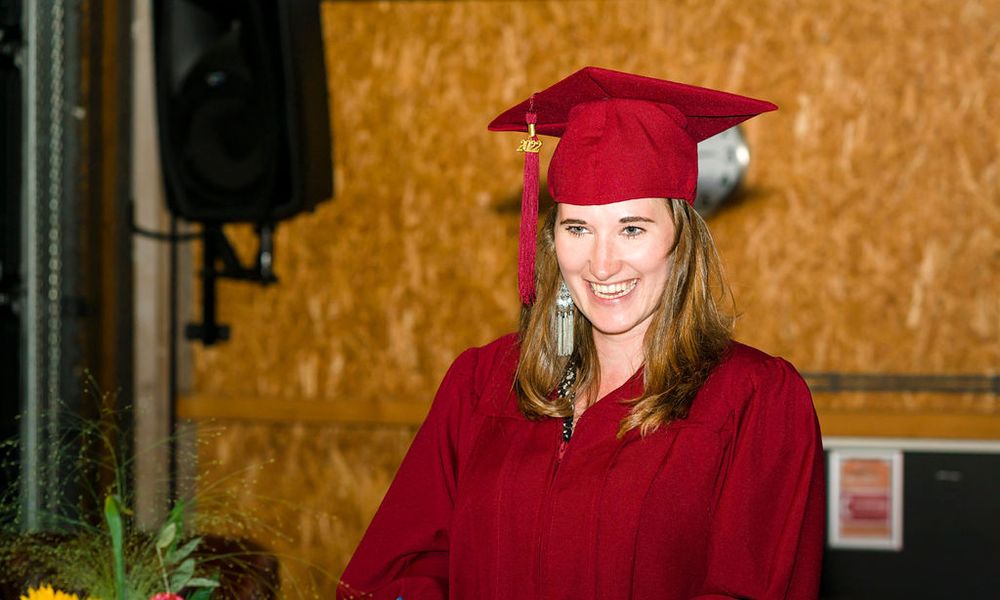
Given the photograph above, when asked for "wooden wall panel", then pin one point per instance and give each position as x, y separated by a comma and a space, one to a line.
305, 492
866, 242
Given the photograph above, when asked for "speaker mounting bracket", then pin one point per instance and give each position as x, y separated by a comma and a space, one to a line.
221, 261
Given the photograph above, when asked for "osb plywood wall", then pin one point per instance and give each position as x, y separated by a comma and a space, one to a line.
867, 240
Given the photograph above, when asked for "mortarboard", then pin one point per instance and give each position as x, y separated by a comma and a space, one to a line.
624, 136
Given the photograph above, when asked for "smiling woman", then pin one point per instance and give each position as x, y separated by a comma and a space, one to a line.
614, 259
647, 284
652, 457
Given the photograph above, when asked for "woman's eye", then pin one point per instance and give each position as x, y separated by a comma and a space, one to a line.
632, 231
576, 230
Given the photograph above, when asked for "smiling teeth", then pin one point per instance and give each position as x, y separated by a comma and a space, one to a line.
615, 290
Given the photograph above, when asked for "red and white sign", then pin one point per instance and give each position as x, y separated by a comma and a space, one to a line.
865, 503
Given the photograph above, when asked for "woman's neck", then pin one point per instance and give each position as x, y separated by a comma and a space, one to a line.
620, 356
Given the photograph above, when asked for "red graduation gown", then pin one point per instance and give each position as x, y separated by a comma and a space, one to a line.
728, 503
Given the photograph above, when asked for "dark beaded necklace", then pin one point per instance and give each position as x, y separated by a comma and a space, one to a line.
565, 391
567, 428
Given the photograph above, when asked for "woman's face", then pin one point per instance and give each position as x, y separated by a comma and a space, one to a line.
615, 260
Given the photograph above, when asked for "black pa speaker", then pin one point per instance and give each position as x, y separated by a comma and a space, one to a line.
242, 108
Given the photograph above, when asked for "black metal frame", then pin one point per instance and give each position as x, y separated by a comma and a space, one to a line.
221, 261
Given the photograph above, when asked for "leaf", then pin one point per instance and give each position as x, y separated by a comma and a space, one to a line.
202, 582
176, 517
181, 553
201, 594
113, 516
166, 536
182, 574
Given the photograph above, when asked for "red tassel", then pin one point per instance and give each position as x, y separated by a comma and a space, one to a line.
529, 213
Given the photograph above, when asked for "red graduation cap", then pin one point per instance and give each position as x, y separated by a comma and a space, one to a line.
624, 136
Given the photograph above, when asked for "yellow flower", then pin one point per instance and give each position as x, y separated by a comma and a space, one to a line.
47, 593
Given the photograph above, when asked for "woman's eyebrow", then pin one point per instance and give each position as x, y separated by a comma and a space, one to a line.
635, 220
572, 222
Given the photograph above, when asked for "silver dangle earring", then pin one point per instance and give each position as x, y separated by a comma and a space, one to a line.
564, 321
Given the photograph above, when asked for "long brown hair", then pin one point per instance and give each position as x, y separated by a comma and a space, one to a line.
687, 336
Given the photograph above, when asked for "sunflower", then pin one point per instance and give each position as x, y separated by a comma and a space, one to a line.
47, 593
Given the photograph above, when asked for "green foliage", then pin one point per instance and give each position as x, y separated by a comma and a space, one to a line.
113, 517
178, 554
176, 564
181, 575
166, 537
98, 551
203, 582
201, 594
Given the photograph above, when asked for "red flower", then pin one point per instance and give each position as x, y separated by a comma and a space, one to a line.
166, 596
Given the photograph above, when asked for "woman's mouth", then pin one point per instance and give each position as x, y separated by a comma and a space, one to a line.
612, 291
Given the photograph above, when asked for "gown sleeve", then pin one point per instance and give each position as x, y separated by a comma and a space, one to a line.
766, 540
404, 552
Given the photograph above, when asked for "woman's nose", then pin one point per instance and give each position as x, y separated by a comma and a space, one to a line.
604, 263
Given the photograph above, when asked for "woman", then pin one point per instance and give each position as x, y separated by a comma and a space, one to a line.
620, 445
